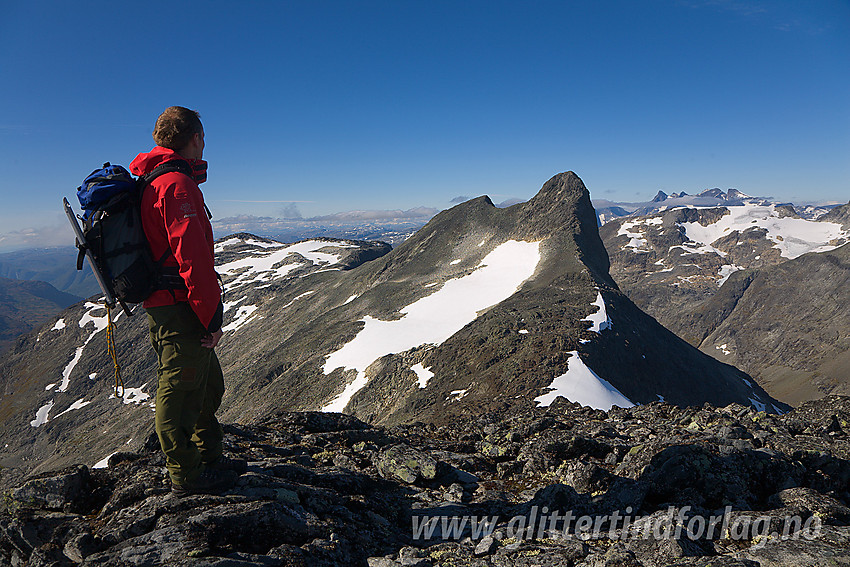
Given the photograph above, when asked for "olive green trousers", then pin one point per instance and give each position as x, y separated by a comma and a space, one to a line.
188, 394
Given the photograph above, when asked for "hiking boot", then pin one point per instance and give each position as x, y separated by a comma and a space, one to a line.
210, 481
239, 466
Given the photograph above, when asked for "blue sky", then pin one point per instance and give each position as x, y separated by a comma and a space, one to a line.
337, 106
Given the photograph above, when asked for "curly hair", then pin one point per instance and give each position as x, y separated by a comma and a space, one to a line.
175, 127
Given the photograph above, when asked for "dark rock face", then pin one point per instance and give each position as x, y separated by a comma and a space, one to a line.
784, 325
641, 486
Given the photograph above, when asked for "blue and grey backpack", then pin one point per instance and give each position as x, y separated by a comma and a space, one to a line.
113, 233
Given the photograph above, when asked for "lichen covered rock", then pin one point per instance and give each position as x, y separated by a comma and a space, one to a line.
329, 490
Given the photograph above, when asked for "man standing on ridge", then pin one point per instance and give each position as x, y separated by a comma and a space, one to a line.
185, 323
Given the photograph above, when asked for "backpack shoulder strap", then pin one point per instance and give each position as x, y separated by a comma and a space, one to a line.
177, 165
166, 281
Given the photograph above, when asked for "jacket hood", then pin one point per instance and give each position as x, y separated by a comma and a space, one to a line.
144, 163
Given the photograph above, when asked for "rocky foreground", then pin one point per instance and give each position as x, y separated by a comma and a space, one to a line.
713, 486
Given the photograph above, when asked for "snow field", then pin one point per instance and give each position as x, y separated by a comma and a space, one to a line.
436, 317
792, 236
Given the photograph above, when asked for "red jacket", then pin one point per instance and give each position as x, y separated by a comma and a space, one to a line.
174, 217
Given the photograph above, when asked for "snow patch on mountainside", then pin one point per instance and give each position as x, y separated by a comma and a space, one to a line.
636, 239
75, 406
66, 373
704, 249
725, 350
100, 324
457, 395
41, 415
435, 317
422, 374
278, 259
581, 384
132, 395
726, 271
250, 241
103, 463
219, 247
297, 297
243, 314
599, 320
227, 305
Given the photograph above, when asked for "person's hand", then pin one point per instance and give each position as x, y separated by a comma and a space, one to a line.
210, 341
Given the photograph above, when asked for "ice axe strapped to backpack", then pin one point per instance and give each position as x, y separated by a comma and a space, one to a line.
113, 240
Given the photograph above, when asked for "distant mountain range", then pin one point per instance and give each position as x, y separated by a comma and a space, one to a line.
607, 211
483, 309
392, 227
56, 266
26, 305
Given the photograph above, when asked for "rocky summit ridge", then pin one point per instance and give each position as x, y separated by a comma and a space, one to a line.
512, 345
647, 486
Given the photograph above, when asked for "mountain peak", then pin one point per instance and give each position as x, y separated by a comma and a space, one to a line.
734, 194
660, 196
566, 186
716, 192
564, 189
562, 210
